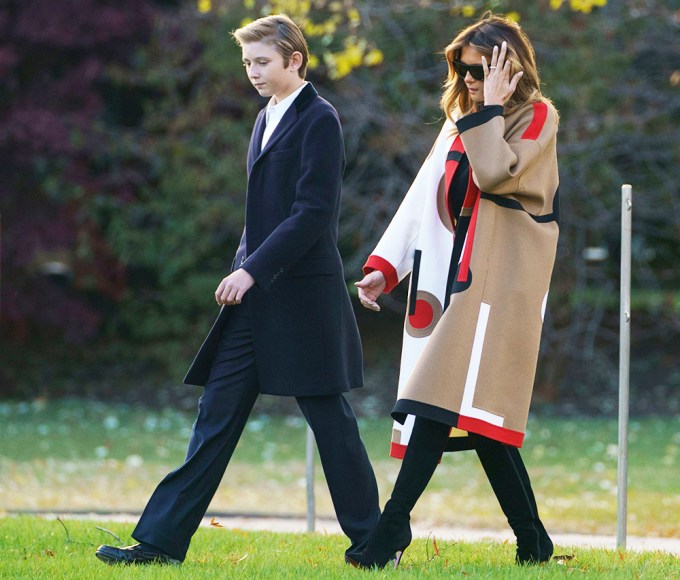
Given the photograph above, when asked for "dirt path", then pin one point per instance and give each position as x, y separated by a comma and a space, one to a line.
420, 529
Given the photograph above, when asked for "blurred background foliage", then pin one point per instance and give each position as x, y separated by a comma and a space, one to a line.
123, 131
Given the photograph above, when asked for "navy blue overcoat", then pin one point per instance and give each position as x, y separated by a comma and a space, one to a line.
305, 335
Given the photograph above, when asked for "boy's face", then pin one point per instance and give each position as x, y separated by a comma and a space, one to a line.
265, 69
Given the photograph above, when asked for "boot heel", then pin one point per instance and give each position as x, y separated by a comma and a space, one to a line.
387, 543
397, 559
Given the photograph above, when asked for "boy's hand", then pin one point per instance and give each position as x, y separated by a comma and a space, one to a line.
232, 288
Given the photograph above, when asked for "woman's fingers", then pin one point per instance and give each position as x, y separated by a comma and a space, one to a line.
499, 85
368, 299
368, 295
502, 53
370, 287
494, 57
370, 304
498, 62
515, 81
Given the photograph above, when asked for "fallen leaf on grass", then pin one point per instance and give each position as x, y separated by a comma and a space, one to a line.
235, 560
48, 552
215, 524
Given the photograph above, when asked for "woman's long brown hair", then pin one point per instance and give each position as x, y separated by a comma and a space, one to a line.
490, 31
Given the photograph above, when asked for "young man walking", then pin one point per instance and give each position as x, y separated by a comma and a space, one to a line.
286, 326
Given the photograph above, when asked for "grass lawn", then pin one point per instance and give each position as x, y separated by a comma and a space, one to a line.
35, 548
75, 455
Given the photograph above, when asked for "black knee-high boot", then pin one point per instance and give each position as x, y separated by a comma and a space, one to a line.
545, 544
393, 532
509, 479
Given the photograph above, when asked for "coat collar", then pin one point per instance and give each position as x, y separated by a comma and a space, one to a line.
301, 102
305, 97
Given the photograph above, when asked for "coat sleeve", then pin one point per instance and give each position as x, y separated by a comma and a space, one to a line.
499, 160
393, 255
317, 196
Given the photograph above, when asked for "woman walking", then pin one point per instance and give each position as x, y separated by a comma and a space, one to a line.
477, 232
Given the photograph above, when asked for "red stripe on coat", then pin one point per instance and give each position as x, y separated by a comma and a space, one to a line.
397, 450
472, 192
514, 438
451, 165
388, 270
464, 268
450, 168
537, 122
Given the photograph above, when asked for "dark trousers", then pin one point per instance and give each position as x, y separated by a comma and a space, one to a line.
180, 501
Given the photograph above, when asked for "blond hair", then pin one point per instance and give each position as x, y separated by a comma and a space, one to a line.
281, 32
490, 31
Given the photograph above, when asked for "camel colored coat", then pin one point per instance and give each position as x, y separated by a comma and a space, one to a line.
478, 288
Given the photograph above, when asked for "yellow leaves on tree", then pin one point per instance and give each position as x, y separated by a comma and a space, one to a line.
332, 28
331, 20
585, 6
356, 53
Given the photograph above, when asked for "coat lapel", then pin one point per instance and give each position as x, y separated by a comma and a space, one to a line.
256, 139
287, 122
282, 128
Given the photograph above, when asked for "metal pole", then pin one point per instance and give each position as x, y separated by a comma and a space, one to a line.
311, 444
624, 364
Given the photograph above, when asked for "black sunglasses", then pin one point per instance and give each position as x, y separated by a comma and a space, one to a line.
476, 70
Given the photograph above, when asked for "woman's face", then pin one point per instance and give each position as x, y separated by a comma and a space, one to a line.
471, 56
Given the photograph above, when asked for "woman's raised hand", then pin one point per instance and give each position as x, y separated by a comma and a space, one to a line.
498, 86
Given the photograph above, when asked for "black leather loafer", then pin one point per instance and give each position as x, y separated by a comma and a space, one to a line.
136, 554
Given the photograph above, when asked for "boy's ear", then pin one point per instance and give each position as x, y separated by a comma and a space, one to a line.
295, 61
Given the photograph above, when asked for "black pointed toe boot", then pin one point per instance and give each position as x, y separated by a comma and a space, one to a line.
388, 541
509, 479
392, 535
